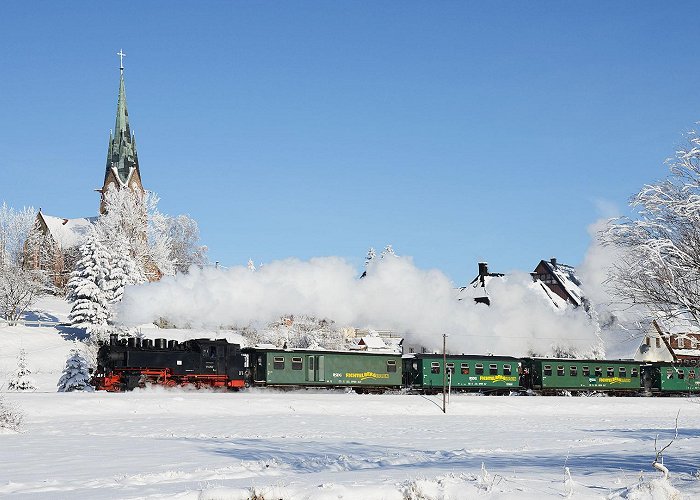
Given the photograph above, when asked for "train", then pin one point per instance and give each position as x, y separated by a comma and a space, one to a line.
125, 364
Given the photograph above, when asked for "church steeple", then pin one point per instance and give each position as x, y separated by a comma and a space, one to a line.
122, 161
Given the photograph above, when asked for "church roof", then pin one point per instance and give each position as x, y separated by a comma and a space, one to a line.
122, 159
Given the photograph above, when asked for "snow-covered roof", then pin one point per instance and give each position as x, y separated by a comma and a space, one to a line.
677, 325
475, 290
372, 342
68, 233
555, 300
566, 275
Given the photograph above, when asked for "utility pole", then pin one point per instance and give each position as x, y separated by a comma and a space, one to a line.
444, 371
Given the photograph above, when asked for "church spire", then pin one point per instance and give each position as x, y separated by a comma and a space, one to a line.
122, 160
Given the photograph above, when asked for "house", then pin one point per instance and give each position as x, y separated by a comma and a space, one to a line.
476, 289
57, 251
676, 340
561, 280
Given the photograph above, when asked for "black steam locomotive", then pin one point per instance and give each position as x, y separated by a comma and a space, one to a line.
125, 364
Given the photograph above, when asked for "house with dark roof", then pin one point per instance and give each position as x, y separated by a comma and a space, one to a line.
561, 280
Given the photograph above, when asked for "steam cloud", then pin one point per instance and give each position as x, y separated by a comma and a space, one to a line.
395, 295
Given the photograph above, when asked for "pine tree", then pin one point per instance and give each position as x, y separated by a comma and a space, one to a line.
87, 287
121, 271
371, 254
76, 374
388, 251
22, 380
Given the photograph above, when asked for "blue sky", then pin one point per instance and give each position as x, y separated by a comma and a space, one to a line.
455, 131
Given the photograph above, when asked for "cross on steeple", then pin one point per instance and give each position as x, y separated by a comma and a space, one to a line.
121, 55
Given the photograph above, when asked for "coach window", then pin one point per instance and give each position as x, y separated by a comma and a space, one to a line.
573, 371
669, 373
450, 368
278, 363
391, 366
493, 369
691, 374
622, 371
634, 372
465, 368
297, 364
598, 371
560, 370
611, 371
681, 374
435, 367
479, 369
586, 371
507, 370
547, 369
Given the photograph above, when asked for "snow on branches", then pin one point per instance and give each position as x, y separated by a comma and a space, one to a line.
22, 380
659, 266
76, 374
19, 287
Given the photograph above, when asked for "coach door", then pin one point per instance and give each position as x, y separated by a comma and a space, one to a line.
315, 371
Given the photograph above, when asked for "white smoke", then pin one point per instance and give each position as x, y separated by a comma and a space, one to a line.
395, 295
622, 325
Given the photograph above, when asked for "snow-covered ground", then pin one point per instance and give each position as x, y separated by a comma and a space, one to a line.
156, 443
322, 445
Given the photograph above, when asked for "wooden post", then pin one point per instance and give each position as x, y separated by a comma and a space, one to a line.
444, 372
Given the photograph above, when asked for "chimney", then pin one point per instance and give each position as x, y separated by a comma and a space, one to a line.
483, 271
553, 260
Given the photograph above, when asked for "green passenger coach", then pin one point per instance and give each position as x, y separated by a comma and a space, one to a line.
670, 378
299, 367
492, 374
563, 374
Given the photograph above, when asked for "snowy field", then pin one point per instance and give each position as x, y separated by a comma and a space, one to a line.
156, 443
322, 445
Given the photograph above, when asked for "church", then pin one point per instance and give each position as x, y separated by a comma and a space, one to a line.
56, 248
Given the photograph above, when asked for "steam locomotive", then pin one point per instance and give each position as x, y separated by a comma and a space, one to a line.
124, 364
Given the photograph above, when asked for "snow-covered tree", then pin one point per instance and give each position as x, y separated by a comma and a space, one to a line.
87, 289
15, 226
22, 380
122, 271
19, 288
158, 244
76, 374
659, 263
371, 255
251, 265
184, 239
388, 252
